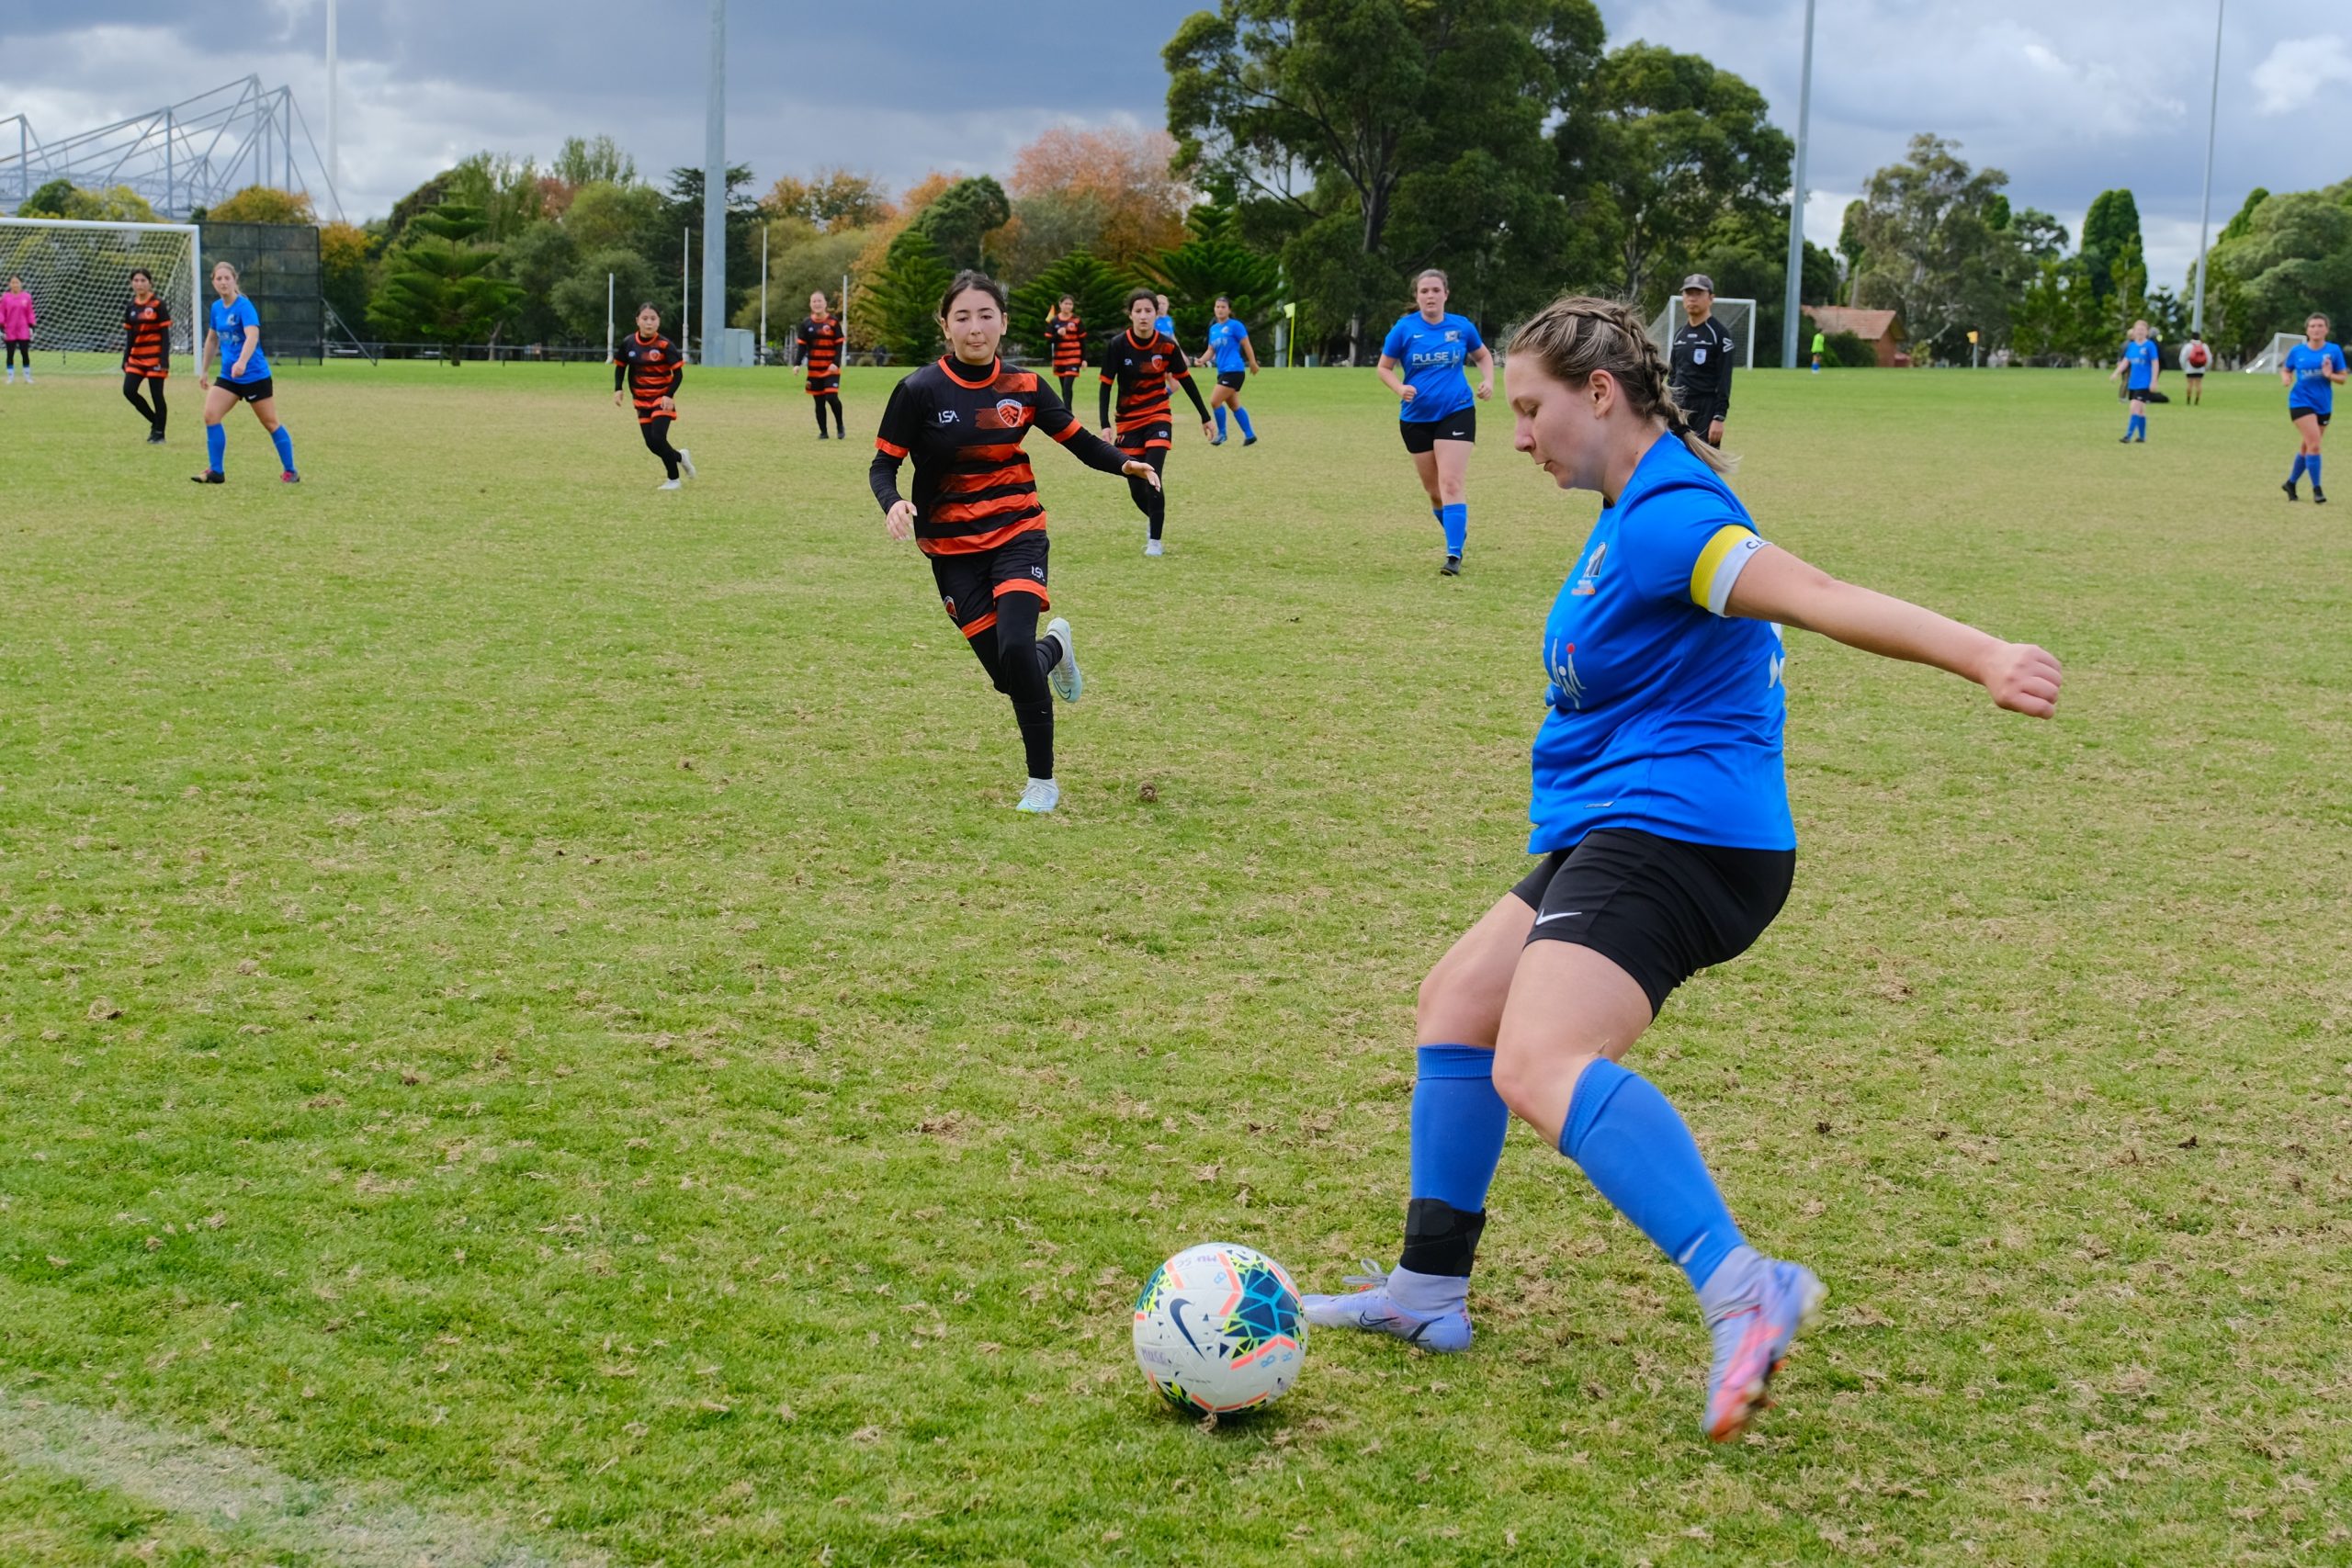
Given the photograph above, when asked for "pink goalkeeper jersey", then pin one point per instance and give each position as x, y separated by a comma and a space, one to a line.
17, 316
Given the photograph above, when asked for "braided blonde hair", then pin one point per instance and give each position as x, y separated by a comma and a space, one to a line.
1572, 338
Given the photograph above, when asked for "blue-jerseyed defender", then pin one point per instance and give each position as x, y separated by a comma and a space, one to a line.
1661, 811
233, 330
1422, 362
2311, 371
2142, 361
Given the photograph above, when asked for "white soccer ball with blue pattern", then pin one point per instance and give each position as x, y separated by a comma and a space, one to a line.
1218, 1330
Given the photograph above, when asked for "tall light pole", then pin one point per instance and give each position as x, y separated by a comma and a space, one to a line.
713, 195
2205, 206
334, 161
1792, 294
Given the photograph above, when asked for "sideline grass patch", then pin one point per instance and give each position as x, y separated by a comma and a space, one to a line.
524, 994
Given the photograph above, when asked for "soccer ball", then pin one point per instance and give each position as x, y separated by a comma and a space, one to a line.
1218, 1331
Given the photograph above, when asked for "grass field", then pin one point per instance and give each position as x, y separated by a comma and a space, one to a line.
528, 1032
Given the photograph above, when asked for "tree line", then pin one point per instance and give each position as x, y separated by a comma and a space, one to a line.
1316, 156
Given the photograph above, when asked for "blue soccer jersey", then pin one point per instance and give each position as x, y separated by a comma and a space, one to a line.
2310, 366
1225, 339
1431, 359
229, 323
2143, 359
1666, 712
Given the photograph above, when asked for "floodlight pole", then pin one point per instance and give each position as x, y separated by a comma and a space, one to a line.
713, 195
2205, 206
1792, 291
334, 164
762, 352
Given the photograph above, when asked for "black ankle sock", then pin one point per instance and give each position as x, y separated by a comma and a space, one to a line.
1440, 1238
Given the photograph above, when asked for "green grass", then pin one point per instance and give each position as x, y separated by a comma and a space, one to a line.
524, 995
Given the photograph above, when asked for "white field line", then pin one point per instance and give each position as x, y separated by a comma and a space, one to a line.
233, 1491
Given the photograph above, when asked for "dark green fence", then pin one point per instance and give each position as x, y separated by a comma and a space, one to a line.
277, 267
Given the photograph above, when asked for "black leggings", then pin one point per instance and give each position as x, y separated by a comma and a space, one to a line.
1069, 384
1149, 499
657, 441
1016, 663
824, 400
20, 348
133, 385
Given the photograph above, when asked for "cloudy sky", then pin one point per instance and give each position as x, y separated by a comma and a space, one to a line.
2069, 96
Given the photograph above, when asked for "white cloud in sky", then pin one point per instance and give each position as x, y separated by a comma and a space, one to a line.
2297, 70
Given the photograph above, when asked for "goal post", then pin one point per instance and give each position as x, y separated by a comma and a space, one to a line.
78, 272
2267, 361
1737, 317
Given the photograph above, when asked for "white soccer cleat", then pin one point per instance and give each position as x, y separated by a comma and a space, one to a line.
1041, 797
1151, 548
670, 484
1064, 678
686, 461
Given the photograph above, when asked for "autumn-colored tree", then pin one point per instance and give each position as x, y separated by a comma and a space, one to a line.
1126, 173
832, 199
263, 204
875, 253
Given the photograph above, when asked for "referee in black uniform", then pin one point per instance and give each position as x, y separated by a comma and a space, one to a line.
1702, 359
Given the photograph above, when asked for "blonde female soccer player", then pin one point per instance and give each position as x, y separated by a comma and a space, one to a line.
1661, 811
232, 339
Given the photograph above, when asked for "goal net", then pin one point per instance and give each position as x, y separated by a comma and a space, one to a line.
79, 276
2266, 363
1737, 317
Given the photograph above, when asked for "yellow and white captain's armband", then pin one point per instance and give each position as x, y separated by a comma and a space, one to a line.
1719, 565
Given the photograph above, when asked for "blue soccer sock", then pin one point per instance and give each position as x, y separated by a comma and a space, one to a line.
1459, 1123
216, 446
1220, 422
1640, 1156
2139, 426
285, 445
1242, 416
1455, 520
2311, 466
2296, 472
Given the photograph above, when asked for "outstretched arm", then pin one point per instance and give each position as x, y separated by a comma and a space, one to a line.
1777, 586
1088, 448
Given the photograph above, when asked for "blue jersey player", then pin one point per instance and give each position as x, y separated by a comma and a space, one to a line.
1421, 363
1236, 361
2312, 370
2142, 361
234, 333
1661, 813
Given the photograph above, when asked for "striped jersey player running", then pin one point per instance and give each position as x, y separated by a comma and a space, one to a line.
975, 509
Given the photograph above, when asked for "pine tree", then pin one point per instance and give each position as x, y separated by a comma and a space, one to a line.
902, 298
1213, 261
438, 286
1099, 290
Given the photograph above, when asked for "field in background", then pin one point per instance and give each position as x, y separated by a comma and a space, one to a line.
527, 1026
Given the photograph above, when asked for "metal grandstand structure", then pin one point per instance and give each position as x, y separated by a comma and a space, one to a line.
188, 155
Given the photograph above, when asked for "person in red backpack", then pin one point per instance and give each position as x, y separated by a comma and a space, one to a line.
2195, 360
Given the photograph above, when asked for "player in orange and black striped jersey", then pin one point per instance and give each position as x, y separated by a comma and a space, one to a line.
817, 349
1068, 336
146, 350
975, 509
1140, 362
651, 366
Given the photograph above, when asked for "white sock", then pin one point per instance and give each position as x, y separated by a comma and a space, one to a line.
1732, 1284
1426, 1293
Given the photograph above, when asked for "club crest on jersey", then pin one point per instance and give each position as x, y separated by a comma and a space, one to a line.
1698, 356
1007, 414
1588, 583
1564, 676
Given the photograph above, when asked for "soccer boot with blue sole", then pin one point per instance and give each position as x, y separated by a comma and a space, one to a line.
1751, 1342
1369, 1307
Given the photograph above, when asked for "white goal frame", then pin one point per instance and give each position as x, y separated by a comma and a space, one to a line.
103, 336
2269, 361
1669, 321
